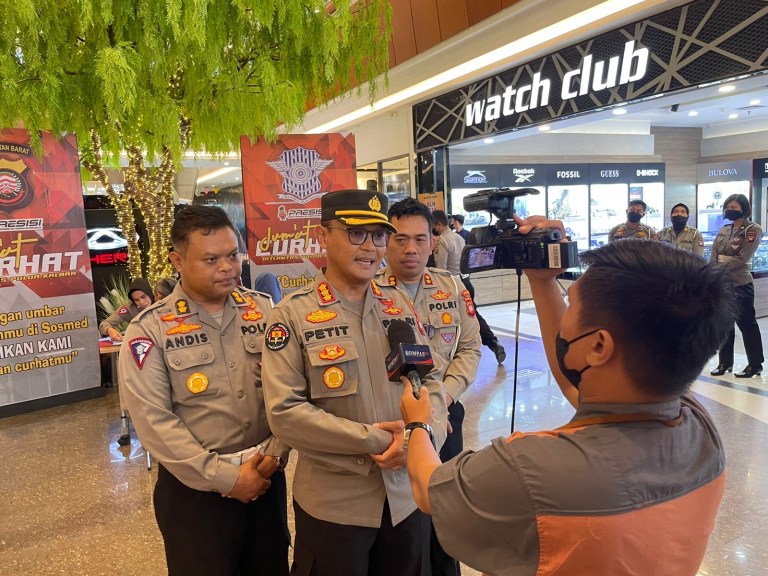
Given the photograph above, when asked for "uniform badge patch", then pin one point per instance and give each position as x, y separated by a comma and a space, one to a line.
237, 297
182, 307
392, 311
374, 204
331, 352
428, 280
333, 377
123, 311
392, 280
183, 329
448, 337
701, 241
140, 348
446, 318
277, 336
170, 317
197, 383
320, 316
325, 293
751, 235
252, 315
468, 302
376, 290
440, 295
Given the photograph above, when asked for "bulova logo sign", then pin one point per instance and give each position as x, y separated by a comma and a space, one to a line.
598, 75
726, 172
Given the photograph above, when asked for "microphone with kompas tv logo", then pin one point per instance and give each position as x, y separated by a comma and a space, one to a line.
407, 357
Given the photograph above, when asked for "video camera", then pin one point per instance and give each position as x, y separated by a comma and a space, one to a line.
501, 245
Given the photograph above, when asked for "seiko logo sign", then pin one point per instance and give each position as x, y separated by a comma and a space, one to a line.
475, 177
647, 172
596, 76
609, 174
569, 174
523, 174
724, 172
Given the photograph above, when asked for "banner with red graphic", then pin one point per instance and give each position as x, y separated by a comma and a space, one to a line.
48, 332
282, 185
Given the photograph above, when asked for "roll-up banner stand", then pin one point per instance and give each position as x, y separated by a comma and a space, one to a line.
49, 353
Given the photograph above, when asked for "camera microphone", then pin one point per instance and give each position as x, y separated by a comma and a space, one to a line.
407, 357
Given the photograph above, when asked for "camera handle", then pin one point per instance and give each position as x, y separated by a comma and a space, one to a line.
519, 272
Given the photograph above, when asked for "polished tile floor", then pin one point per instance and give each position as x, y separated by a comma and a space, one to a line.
74, 502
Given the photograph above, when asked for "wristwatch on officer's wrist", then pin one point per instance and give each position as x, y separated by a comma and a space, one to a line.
280, 463
409, 428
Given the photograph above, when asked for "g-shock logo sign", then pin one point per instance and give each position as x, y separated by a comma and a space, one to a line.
475, 177
590, 76
647, 172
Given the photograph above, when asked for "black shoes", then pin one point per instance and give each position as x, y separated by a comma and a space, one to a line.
749, 371
499, 351
721, 369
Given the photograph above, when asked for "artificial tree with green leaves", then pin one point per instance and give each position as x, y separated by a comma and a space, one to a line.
156, 79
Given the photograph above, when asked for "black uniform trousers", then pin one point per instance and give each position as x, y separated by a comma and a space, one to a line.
486, 334
206, 534
329, 549
441, 563
744, 309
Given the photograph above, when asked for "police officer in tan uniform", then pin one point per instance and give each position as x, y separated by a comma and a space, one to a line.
733, 249
633, 228
446, 309
191, 378
329, 397
680, 234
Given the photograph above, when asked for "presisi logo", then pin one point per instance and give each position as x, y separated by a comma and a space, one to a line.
15, 192
22, 224
600, 75
523, 174
475, 177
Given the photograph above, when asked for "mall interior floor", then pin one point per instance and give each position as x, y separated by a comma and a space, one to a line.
75, 502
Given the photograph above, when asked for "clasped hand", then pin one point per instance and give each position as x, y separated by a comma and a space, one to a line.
254, 478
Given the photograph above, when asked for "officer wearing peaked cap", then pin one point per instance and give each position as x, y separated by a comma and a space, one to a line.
329, 397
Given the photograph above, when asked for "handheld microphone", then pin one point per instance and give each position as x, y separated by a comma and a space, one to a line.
406, 356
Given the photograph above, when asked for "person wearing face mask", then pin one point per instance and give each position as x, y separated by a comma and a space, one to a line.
680, 234
732, 250
632, 484
633, 228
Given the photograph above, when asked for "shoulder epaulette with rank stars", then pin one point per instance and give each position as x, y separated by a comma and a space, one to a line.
238, 298
325, 293
392, 280
428, 280
376, 290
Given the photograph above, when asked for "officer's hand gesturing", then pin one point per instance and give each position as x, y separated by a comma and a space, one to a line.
250, 484
394, 457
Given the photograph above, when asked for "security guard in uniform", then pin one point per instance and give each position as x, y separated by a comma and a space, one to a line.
446, 309
633, 228
732, 250
328, 396
680, 234
191, 378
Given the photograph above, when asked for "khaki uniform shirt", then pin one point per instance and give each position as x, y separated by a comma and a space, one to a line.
446, 310
193, 386
689, 239
733, 249
642, 231
326, 384
448, 252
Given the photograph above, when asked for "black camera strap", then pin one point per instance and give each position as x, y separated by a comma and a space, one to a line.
519, 272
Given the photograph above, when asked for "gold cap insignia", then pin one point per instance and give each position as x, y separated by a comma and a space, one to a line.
374, 204
197, 382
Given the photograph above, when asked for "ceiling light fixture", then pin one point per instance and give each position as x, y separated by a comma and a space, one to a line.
545, 128
693, 113
754, 102
619, 111
488, 141
544, 36
733, 116
727, 88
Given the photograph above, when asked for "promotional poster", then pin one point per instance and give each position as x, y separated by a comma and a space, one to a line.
283, 183
48, 331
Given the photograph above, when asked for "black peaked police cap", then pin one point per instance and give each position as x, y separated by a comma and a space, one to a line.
356, 208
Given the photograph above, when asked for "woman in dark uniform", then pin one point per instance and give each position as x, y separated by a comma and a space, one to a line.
733, 249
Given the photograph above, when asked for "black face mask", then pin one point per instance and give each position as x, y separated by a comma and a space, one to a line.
679, 222
435, 232
561, 349
634, 217
732, 215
